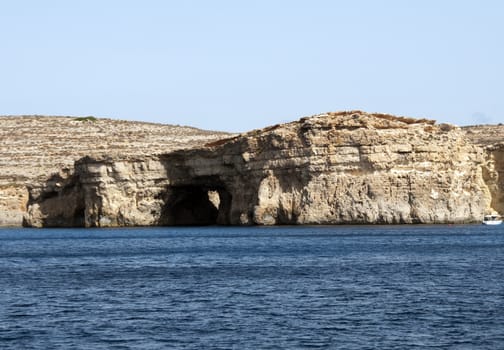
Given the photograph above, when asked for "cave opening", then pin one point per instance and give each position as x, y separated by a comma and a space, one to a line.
195, 205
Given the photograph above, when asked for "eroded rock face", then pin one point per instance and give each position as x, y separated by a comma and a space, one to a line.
335, 168
13, 201
349, 168
491, 139
493, 173
36, 150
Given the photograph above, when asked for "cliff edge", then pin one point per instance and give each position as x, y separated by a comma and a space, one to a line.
333, 168
491, 139
34, 149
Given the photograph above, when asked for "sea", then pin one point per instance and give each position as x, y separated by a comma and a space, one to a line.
286, 287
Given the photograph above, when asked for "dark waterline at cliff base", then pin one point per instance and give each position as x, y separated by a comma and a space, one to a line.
347, 287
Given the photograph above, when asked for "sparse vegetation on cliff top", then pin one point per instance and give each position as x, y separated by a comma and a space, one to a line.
33, 147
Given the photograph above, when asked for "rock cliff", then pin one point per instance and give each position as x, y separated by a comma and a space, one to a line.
334, 168
491, 139
35, 150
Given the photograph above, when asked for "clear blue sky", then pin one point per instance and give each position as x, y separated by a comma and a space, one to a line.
239, 65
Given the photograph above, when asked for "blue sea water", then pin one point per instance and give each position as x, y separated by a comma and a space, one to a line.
339, 287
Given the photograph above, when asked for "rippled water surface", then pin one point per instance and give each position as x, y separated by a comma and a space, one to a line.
343, 287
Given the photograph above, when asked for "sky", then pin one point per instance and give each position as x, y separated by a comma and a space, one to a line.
241, 65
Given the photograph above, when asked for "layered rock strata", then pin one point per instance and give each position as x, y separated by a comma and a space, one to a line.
493, 174
34, 150
334, 168
491, 139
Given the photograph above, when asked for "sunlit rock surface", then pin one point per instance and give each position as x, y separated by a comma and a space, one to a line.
334, 168
37, 150
491, 139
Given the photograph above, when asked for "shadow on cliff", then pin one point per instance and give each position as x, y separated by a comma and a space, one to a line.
196, 205
58, 203
494, 176
194, 200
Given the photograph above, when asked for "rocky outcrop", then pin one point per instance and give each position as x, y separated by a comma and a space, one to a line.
334, 168
101, 194
35, 151
493, 173
13, 202
491, 139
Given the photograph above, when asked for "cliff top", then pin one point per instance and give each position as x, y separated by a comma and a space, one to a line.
344, 120
485, 135
352, 120
34, 147
482, 135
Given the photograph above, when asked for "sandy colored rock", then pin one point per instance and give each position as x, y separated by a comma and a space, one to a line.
13, 202
36, 149
491, 139
334, 168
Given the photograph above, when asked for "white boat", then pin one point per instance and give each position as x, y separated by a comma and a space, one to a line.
492, 220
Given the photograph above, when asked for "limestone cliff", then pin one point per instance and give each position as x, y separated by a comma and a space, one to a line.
334, 168
491, 139
36, 150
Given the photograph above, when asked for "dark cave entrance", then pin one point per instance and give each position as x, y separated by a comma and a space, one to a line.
195, 205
